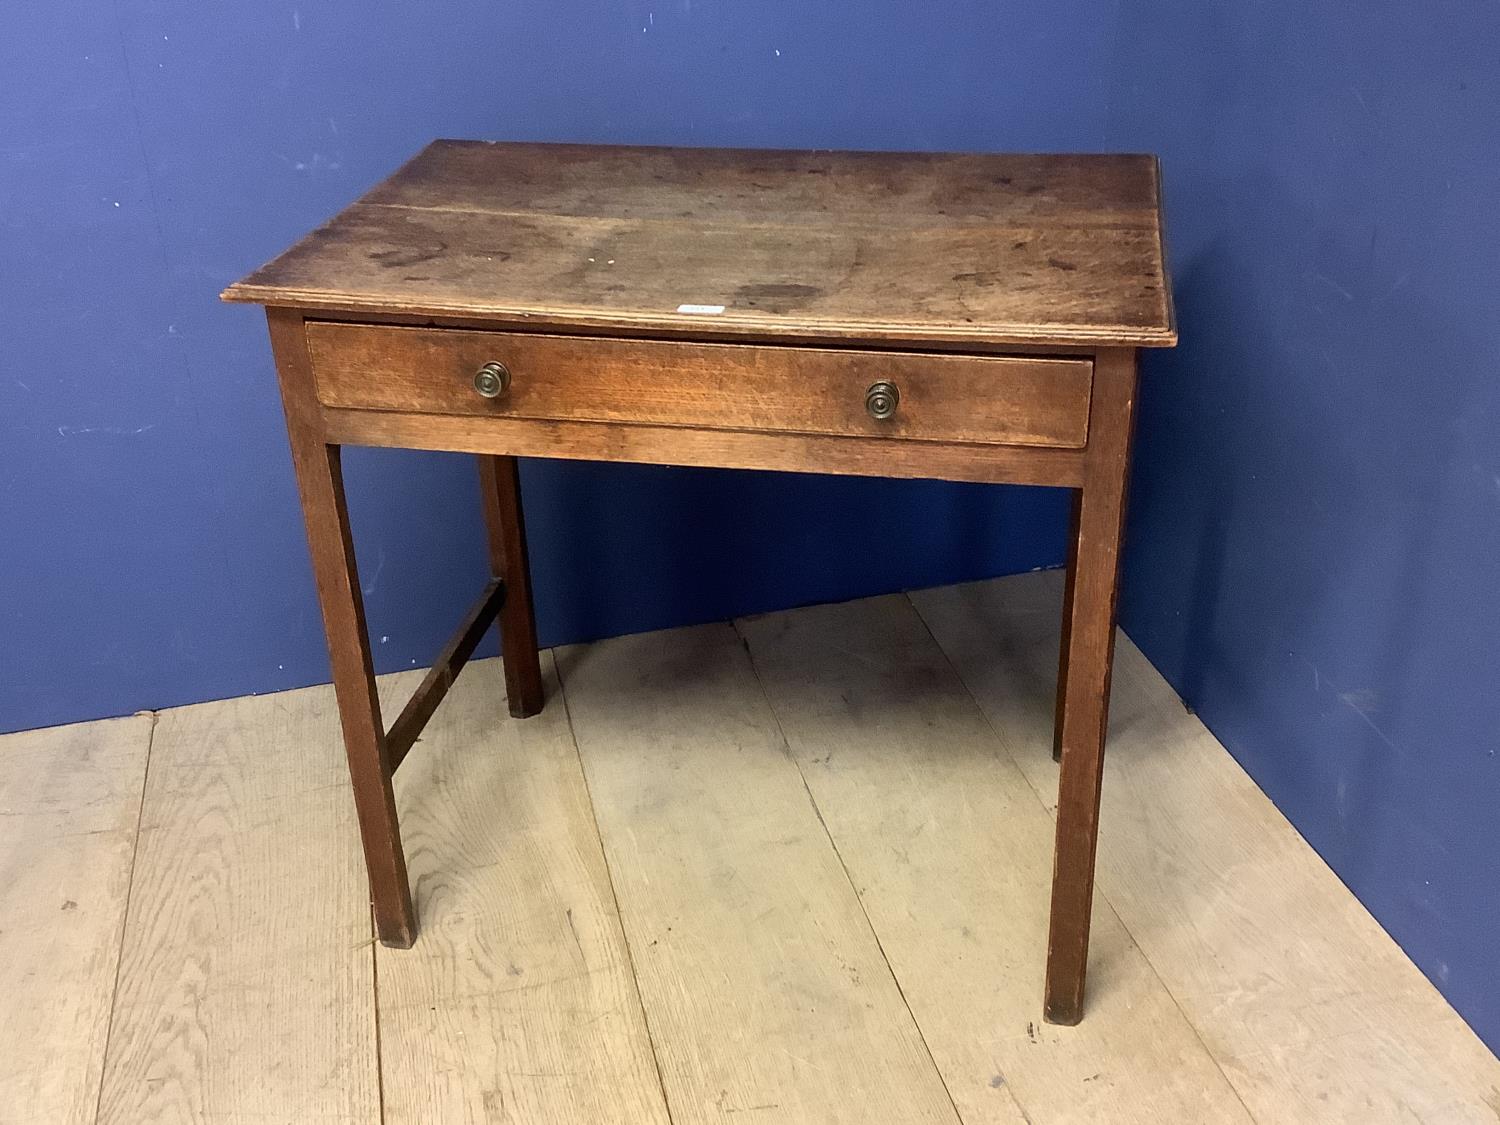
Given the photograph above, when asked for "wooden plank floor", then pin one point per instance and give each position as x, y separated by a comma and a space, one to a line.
789, 869
70, 799
246, 981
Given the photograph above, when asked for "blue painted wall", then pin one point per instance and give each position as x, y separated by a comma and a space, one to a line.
1314, 540
151, 152
1314, 551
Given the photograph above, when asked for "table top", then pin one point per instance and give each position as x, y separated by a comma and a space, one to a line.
912, 249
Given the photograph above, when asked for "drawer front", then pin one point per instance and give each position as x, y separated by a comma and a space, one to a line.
1012, 400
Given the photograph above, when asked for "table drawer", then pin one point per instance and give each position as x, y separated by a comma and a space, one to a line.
1013, 400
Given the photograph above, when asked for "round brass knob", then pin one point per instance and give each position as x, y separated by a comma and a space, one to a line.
881, 400
492, 380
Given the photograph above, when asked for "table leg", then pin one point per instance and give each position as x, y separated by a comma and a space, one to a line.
1067, 629
500, 489
321, 484
1083, 706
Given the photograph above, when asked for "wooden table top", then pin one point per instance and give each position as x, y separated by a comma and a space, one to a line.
917, 249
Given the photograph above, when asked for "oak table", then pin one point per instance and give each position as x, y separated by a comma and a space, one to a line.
963, 317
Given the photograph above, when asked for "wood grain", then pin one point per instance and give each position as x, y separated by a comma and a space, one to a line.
70, 798
1310, 1008
893, 247
246, 987
518, 1004
990, 399
766, 993
951, 852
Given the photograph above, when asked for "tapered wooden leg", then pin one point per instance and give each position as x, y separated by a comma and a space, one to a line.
1088, 657
500, 490
1067, 629
321, 484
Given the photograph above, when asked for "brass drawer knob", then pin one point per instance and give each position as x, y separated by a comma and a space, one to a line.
881, 400
492, 380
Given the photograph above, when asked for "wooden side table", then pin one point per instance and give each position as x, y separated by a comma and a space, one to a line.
962, 317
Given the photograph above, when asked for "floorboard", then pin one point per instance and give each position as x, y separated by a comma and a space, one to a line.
246, 983
1309, 1006
70, 798
517, 1004
766, 993
952, 853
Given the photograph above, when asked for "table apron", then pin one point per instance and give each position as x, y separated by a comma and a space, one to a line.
720, 448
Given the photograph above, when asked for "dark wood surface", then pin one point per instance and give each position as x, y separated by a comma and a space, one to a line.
999, 400
898, 248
